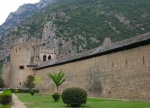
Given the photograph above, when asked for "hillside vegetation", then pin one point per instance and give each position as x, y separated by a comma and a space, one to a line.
85, 23
88, 22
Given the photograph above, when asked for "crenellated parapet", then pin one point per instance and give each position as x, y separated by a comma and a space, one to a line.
47, 50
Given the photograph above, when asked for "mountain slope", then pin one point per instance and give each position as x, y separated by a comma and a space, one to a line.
24, 11
87, 22
73, 26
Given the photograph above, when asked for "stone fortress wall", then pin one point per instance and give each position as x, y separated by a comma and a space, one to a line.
123, 75
24, 57
6, 73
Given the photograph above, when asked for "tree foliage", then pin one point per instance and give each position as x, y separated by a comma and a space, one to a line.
58, 79
29, 82
36, 80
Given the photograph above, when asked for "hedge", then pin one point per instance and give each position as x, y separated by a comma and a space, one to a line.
6, 97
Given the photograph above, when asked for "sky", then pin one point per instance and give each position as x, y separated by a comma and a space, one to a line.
7, 6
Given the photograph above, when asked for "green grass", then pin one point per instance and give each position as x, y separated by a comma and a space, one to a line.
46, 101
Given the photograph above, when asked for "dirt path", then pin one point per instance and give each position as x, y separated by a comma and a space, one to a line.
16, 103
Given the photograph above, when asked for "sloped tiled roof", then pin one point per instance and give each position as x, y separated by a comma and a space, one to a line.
117, 46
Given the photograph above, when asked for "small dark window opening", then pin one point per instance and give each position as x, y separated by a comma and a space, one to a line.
21, 67
126, 62
112, 65
44, 58
44, 44
49, 57
20, 83
143, 59
33, 47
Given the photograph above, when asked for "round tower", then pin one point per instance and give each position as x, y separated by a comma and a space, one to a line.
21, 56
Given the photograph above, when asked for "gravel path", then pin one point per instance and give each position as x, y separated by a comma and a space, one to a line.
16, 103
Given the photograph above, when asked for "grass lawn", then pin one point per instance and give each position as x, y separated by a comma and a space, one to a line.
46, 101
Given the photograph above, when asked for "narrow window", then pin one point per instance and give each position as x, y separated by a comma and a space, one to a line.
20, 83
44, 58
143, 59
126, 62
49, 57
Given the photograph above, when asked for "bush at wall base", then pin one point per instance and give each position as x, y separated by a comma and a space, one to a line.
16, 91
56, 96
27, 90
32, 92
5, 97
74, 97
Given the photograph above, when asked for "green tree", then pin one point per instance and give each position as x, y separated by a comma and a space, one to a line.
29, 82
58, 79
36, 80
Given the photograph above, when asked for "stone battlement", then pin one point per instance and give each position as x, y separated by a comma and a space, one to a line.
47, 50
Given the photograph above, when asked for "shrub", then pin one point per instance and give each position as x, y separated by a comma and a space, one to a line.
32, 92
16, 91
5, 97
58, 79
56, 96
24, 90
74, 97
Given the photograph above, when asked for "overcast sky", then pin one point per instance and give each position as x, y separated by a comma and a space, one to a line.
7, 6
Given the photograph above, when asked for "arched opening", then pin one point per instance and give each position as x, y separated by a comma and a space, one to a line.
44, 58
49, 57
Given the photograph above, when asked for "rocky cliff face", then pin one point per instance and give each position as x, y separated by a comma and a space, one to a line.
61, 45
24, 11
9, 30
72, 26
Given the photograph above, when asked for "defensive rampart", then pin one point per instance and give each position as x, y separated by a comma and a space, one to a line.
122, 74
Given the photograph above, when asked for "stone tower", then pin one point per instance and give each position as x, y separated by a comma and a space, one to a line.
107, 41
46, 54
21, 63
24, 58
